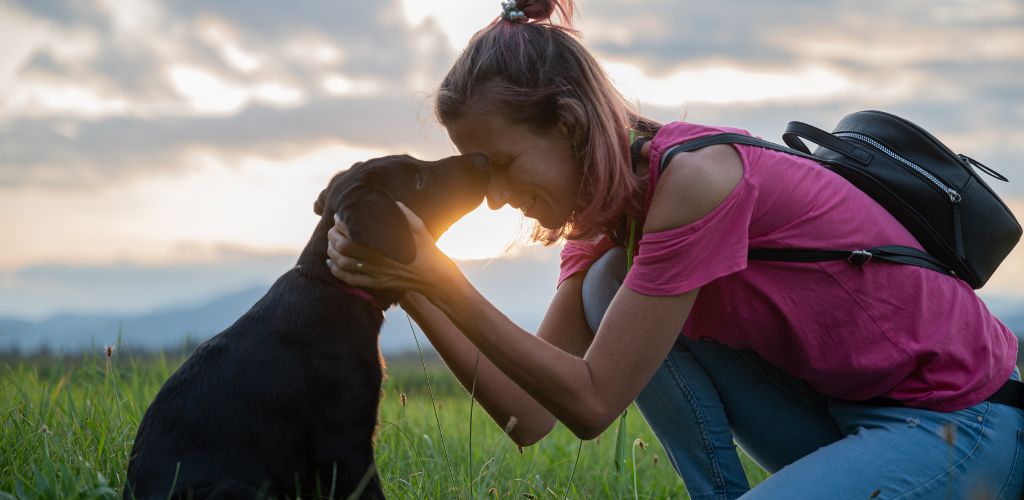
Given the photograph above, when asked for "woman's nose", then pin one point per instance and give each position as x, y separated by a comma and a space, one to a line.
497, 193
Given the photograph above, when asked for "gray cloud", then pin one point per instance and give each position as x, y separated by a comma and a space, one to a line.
112, 148
673, 33
116, 146
960, 95
64, 12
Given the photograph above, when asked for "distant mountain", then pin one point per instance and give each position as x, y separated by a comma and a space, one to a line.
1015, 323
521, 287
164, 329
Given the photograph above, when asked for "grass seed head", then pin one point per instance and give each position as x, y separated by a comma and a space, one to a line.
404, 399
949, 433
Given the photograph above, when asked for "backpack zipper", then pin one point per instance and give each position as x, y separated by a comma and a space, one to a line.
953, 195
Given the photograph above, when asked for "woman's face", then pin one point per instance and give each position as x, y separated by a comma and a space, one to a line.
530, 171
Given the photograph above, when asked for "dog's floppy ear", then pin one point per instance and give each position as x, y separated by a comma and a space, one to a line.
373, 219
318, 205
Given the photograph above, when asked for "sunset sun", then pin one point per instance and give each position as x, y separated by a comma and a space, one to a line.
484, 233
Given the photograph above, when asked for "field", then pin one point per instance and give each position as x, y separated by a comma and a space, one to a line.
66, 427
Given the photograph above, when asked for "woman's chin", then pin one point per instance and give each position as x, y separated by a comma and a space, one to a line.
547, 222
545, 219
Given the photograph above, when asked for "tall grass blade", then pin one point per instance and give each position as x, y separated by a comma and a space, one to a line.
636, 493
573, 471
367, 476
620, 443
472, 400
430, 392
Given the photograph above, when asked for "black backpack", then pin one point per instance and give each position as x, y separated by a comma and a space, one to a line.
965, 228
936, 194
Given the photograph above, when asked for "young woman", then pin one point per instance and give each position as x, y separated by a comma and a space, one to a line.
713, 348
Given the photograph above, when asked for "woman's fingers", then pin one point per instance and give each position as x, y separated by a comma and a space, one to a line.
340, 226
351, 278
362, 266
337, 238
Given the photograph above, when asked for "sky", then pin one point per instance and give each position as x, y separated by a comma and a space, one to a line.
157, 152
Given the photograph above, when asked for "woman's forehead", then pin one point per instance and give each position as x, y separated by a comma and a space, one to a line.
484, 133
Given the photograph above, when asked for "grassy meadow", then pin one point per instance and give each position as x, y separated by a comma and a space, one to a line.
67, 425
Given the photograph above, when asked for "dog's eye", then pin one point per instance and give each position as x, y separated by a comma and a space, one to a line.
421, 180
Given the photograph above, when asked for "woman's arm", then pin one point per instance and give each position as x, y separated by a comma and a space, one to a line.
563, 326
584, 392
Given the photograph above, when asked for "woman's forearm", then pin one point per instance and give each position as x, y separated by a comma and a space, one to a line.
560, 381
497, 394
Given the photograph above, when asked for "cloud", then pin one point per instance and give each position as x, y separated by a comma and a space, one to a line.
869, 32
42, 152
98, 93
110, 87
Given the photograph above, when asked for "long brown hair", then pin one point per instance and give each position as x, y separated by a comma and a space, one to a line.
539, 75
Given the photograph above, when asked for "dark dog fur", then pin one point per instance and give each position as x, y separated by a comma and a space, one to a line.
285, 400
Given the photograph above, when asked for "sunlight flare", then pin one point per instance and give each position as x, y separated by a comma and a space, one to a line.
484, 234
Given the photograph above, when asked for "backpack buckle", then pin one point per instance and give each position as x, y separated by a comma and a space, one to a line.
858, 257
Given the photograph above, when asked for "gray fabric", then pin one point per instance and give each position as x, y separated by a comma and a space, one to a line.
601, 283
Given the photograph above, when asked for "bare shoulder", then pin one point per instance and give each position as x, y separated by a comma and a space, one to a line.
692, 185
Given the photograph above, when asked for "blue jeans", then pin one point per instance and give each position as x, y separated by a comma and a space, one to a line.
706, 398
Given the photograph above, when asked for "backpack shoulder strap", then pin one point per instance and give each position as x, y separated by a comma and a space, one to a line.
729, 138
1011, 393
893, 254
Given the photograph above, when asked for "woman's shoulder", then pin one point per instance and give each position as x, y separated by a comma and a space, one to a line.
692, 185
673, 133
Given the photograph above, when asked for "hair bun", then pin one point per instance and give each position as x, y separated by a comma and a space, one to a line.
542, 10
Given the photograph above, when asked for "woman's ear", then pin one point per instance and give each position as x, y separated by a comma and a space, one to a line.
572, 120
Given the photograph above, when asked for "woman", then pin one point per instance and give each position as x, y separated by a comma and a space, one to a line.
771, 355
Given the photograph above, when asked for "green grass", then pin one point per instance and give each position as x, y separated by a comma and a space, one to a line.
66, 427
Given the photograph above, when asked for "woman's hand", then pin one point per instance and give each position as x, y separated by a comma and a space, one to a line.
361, 266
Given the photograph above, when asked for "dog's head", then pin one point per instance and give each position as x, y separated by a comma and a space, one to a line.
439, 192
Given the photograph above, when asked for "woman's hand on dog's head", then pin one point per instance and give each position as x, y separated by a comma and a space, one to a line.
366, 267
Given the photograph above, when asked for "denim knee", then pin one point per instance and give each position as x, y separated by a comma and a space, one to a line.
600, 284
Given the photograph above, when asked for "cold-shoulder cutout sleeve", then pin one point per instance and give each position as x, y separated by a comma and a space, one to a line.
684, 258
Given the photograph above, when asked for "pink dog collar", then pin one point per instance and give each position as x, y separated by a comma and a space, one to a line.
363, 294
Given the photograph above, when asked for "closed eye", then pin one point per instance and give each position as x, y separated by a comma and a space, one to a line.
504, 164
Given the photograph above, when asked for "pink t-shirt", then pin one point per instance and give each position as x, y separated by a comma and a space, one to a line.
852, 332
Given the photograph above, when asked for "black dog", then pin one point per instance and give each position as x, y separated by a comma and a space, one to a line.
284, 402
